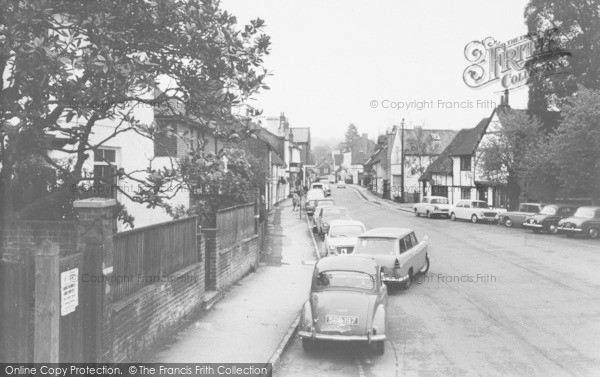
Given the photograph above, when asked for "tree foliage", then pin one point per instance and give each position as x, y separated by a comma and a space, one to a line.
351, 135
576, 144
502, 154
571, 27
69, 65
422, 147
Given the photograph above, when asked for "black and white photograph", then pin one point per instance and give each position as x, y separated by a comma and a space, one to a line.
299, 188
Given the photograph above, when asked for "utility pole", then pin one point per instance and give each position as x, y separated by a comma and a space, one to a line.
402, 160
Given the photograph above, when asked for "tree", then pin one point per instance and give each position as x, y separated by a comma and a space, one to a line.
351, 135
502, 152
422, 147
320, 151
68, 65
576, 144
570, 31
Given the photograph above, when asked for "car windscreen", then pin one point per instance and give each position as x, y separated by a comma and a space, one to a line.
586, 213
439, 201
379, 245
480, 205
317, 185
548, 210
346, 231
344, 279
326, 202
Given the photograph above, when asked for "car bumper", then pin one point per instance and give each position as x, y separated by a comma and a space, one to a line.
569, 230
441, 213
488, 219
533, 226
342, 338
394, 279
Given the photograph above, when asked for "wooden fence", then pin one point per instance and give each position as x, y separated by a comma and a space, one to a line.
145, 255
235, 223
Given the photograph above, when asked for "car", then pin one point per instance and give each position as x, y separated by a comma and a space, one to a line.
317, 186
586, 220
341, 184
311, 205
341, 236
547, 219
398, 252
432, 206
311, 197
326, 186
474, 210
517, 218
324, 216
347, 303
319, 204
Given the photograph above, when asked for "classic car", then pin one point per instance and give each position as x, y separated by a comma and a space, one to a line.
512, 218
311, 197
432, 206
547, 219
347, 302
397, 250
341, 237
326, 214
318, 207
326, 186
586, 220
474, 210
341, 184
312, 205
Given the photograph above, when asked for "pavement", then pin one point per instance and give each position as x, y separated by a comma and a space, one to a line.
255, 319
369, 196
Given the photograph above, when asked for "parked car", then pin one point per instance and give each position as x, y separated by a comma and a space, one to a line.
326, 186
474, 210
312, 205
586, 220
342, 235
311, 199
341, 184
432, 206
397, 250
547, 219
325, 215
347, 302
320, 204
318, 185
517, 218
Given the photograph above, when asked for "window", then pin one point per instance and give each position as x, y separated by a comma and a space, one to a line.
408, 242
414, 239
435, 136
105, 178
402, 246
465, 163
465, 193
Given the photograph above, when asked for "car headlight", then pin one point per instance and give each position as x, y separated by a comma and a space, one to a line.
331, 247
481, 214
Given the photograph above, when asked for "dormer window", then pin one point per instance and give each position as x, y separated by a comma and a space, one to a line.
435, 136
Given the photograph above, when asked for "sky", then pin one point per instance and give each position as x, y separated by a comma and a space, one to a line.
338, 62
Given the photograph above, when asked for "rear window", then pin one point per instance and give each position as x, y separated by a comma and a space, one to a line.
439, 201
381, 246
345, 279
346, 231
335, 212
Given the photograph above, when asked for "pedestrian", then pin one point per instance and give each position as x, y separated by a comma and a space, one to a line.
295, 200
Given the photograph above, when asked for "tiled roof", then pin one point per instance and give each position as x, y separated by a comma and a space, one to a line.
376, 157
466, 144
443, 164
338, 159
440, 140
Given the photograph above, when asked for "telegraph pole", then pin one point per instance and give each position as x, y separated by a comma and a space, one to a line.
402, 160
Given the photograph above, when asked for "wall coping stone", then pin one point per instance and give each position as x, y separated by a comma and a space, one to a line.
245, 240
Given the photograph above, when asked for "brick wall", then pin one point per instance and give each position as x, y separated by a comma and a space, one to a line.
137, 322
19, 236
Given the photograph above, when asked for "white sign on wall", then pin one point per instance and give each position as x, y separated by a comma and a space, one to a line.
69, 291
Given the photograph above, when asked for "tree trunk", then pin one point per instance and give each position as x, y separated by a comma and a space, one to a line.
513, 191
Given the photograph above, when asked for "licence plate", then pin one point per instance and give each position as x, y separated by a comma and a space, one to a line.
342, 320
343, 251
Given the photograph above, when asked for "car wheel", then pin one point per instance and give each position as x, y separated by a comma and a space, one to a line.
508, 222
553, 229
307, 344
593, 233
380, 347
452, 216
474, 219
425, 268
416, 213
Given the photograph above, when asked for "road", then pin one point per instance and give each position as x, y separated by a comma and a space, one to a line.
496, 301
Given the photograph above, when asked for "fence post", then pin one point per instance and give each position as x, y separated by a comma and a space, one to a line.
47, 304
